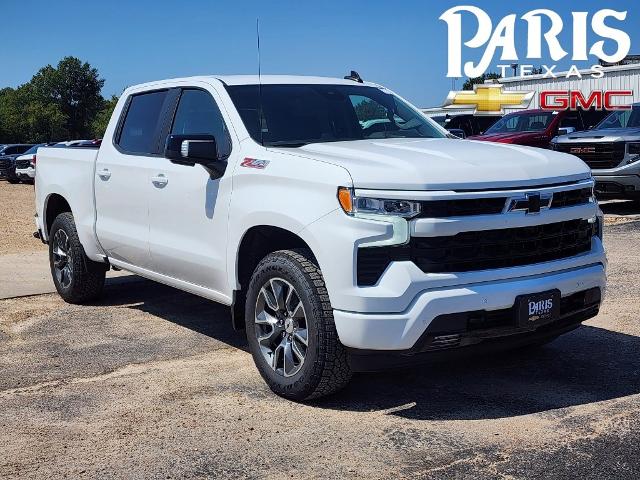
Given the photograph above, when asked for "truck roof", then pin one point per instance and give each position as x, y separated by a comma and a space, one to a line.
254, 80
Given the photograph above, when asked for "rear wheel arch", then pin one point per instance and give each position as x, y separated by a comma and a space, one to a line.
54, 206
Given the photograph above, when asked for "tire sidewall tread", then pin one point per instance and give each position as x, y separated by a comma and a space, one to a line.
88, 276
326, 368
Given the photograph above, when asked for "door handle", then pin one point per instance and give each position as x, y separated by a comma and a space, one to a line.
104, 174
159, 180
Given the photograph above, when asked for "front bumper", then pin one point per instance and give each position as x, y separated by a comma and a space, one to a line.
376, 360
26, 173
402, 331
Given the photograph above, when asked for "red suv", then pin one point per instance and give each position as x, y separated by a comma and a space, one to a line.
536, 128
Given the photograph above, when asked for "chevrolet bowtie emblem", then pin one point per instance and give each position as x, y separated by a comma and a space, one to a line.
488, 99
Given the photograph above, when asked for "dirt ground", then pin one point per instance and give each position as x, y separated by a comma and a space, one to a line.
17, 208
151, 382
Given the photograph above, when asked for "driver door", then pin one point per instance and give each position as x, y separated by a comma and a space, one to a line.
187, 207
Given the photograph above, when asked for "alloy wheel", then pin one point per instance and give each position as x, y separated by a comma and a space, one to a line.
281, 327
62, 261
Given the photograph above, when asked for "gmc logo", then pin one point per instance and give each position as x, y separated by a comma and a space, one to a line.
582, 150
570, 99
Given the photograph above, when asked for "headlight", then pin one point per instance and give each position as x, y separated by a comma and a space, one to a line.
353, 205
633, 148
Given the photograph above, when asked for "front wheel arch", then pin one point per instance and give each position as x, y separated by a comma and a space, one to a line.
258, 242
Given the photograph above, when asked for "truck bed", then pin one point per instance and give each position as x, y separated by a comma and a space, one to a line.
69, 172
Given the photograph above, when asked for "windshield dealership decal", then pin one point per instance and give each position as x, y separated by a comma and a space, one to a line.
491, 99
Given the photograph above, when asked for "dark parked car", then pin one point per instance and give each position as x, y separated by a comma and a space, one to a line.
536, 128
469, 124
8, 154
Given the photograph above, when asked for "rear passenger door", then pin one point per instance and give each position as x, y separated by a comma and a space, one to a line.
123, 178
188, 210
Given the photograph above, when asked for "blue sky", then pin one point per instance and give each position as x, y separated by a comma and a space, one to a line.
400, 44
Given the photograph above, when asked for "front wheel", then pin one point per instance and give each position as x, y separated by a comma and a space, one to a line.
76, 278
290, 328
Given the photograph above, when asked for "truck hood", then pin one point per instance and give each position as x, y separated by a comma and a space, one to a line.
446, 164
604, 135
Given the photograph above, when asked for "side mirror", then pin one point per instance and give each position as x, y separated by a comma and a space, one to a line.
566, 130
195, 149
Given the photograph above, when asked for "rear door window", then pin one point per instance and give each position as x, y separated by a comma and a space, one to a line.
140, 129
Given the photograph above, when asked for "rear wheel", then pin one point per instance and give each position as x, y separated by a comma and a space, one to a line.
290, 328
13, 180
77, 279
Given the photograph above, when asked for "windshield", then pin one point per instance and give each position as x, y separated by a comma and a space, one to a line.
33, 149
295, 115
622, 119
529, 122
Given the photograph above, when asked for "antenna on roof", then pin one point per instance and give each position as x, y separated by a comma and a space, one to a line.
259, 84
355, 76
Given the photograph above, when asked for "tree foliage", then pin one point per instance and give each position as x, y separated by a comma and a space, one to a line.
58, 103
369, 109
101, 120
470, 82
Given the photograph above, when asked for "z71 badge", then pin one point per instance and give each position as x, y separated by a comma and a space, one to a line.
254, 163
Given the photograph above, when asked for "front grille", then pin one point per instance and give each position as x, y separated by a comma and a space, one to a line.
23, 163
610, 188
596, 155
460, 208
5, 166
483, 250
570, 198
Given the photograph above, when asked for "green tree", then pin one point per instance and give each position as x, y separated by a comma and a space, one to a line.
45, 123
58, 103
101, 120
12, 104
470, 82
75, 88
369, 109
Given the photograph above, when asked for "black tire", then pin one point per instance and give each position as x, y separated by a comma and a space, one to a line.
87, 277
325, 368
13, 180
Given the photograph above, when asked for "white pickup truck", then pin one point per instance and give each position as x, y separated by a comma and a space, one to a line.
346, 231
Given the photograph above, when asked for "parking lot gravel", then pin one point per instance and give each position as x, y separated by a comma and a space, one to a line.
17, 207
151, 382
